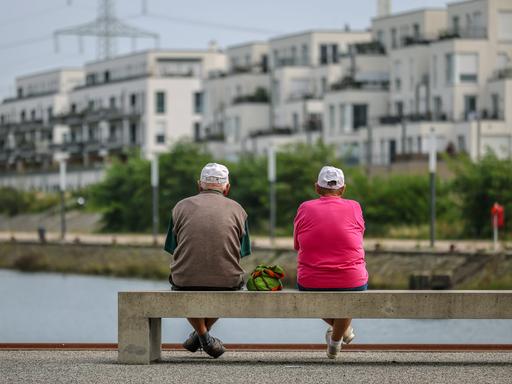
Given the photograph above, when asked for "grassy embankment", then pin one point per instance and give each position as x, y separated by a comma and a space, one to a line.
387, 271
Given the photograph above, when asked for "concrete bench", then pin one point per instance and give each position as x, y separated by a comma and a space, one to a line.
140, 313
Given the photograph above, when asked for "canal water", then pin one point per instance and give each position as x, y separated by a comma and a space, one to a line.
50, 307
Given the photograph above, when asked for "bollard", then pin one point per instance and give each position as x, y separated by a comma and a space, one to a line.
41, 232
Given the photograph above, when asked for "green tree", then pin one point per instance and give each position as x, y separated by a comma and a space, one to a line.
124, 197
479, 186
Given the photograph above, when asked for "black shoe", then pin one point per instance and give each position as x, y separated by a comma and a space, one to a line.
214, 348
192, 344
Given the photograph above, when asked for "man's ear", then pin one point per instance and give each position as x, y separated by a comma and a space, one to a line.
226, 190
316, 188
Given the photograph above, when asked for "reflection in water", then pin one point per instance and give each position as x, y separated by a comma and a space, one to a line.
50, 307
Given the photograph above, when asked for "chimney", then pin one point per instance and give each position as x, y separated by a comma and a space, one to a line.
383, 8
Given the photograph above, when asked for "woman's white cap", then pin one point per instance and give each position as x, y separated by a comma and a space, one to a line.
331, 178
214, 173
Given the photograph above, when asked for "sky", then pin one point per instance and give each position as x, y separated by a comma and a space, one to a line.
26, 26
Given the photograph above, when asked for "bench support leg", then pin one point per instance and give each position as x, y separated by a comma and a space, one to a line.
139, 340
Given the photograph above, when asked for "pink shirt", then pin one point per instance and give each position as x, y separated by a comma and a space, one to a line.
328, 235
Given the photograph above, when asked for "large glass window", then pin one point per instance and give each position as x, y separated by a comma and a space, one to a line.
505, 25
305, 55
160, 102
360, 115
332, 118
450, 73
467, 67
198, 102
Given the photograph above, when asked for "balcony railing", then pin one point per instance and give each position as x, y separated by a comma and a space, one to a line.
260, 95
464, 33
370, 48
272, 131
350, 83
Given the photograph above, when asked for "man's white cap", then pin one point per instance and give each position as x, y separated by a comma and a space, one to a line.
214, 173
331, 178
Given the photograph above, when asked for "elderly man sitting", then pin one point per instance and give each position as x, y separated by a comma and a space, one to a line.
207, 236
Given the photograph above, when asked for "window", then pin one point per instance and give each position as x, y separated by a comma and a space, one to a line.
276, 58
434, 71
438, 107
418, 143
197, 131
112, 102
20, 93
398, 74
305, 55
106, 76
133, 100
416, 31
198, 102
399, 108
467, 67
324, 85
380, 37
450, 73
324, 54
332, 118
394, 42
343, 120
294, 55
469, 107
505, 25
295, 121
461, 141
409, 144
456, 24
112, 131
22, 116
160, 102
411, 74
133, 133
49, 112
360, 112
160, 133
334, 52
90, 106
495, 106
33, 115
502, 60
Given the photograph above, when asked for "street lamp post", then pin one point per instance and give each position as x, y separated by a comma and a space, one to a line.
432, 160
272, 182
62, 159
154, 187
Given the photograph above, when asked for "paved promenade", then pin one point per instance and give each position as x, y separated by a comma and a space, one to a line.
258, 367
261, 241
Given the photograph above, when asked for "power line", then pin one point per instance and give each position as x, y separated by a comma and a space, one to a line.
209, 24
19, 43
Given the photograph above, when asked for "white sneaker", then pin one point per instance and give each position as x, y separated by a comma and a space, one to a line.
349, 335
332, 349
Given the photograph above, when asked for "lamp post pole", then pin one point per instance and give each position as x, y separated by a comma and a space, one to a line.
154, 188
62, 191
432, 160
272, 182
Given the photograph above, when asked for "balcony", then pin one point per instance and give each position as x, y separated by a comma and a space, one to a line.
260, 95
464, 33
272, 131
350, 83
415, 117
414, 40
370, 48
501, 74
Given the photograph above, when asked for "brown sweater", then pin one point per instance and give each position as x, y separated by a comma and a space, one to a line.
207, 236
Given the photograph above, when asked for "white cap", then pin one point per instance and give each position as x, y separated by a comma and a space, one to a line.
331, 178
215, 174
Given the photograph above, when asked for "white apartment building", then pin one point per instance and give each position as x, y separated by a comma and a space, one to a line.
26, 120
272, 92
376, 96
145, 101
